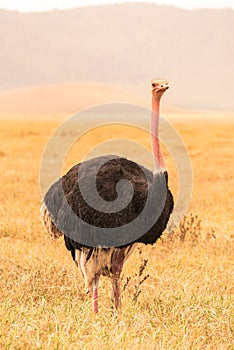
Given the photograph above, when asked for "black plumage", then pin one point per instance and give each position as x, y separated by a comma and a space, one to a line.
67, 190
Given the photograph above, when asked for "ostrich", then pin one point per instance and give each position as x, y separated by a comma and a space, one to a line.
96, 260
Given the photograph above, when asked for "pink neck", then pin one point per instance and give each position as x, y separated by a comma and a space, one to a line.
157, 153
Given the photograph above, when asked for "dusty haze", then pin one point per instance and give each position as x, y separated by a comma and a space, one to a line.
123, 45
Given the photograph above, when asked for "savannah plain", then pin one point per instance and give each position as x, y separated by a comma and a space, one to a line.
177, 294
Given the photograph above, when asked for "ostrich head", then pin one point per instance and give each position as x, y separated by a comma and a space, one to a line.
159, 86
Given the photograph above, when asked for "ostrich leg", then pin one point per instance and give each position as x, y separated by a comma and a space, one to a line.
95, 292
115, 296
91, 271
117, 260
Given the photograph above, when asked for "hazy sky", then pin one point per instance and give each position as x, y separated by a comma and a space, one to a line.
45, 5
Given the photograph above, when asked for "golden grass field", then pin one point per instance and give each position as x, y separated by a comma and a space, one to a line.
186, 302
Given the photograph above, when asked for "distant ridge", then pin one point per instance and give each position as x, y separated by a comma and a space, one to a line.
66, 98
124, 45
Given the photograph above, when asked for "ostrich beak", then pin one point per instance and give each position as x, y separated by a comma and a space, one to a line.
163, 87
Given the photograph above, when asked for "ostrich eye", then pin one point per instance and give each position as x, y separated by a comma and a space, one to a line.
153, 85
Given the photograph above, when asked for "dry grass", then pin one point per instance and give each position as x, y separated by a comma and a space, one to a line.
177, 294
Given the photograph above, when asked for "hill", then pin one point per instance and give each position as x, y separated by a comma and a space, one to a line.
123, 45
62, 98
68, 98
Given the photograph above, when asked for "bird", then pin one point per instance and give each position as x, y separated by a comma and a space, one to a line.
64, 202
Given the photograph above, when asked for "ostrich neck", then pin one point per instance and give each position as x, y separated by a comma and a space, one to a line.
156, 149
